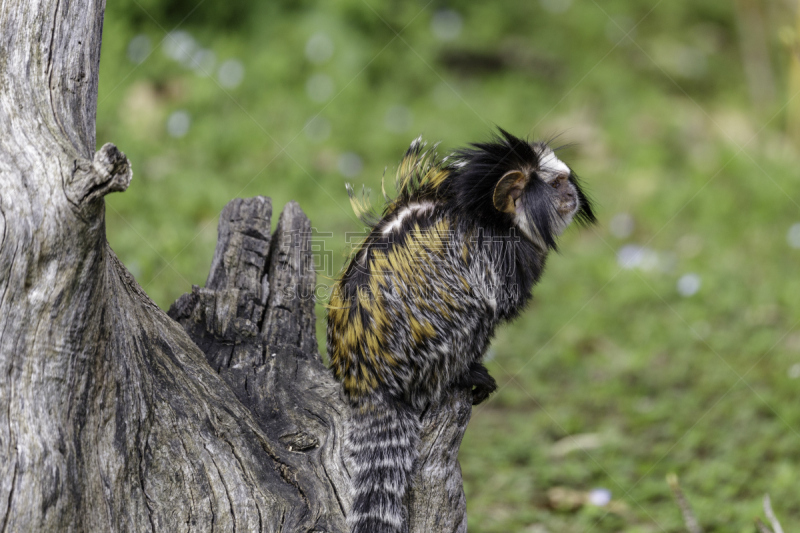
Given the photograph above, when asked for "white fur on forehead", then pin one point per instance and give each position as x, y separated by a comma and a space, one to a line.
549, 163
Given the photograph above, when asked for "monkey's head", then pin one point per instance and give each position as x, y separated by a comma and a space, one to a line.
526, 185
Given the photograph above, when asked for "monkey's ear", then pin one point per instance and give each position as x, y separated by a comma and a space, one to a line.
508, 190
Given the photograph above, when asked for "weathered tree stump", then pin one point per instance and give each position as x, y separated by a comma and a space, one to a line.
114, 416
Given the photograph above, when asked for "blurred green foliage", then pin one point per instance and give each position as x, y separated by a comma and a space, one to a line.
680, 143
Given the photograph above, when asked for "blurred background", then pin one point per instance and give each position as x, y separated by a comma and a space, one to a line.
665, 339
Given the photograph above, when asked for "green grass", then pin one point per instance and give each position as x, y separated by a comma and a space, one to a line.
663, 129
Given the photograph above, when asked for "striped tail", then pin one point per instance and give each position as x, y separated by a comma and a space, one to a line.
382, 445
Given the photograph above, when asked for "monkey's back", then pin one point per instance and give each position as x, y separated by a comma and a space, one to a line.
416, 306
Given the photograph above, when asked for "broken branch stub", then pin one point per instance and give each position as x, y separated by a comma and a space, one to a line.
255, 322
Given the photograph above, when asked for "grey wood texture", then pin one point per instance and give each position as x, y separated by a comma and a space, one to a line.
115, 416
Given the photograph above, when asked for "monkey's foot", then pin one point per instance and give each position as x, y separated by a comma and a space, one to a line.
481, 383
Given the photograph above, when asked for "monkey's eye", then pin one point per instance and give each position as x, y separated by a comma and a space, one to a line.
559, 181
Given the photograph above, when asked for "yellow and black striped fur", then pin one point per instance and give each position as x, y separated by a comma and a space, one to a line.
453, 255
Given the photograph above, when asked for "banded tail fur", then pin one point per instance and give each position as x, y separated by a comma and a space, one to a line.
382, 442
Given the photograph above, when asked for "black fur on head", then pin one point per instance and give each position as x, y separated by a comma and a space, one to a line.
541, 183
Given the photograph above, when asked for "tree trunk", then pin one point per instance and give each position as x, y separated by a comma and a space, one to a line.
114, 416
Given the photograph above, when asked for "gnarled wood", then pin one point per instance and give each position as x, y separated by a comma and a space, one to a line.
278, 374
116, 417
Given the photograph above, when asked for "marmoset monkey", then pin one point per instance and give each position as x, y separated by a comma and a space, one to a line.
455, 254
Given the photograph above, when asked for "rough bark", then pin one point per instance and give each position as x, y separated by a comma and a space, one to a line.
116, 417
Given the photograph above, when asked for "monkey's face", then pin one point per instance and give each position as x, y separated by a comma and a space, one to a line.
558, 176
543, 198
